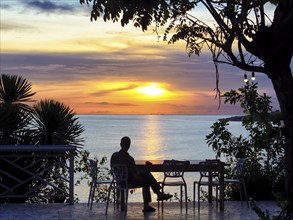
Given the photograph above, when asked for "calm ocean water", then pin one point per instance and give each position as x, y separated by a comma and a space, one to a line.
153, 137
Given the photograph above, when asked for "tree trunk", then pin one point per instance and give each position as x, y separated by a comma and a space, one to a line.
277, 62
280, 73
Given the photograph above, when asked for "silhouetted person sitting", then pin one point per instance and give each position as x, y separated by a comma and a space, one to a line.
135, 178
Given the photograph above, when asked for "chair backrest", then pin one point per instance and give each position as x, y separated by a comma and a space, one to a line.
172, 168
240, 167
120, 174
206, 169
93, 169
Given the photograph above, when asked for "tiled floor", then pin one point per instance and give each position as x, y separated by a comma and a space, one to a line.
234, 210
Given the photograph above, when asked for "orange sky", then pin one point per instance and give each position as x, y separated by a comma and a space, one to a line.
100, 68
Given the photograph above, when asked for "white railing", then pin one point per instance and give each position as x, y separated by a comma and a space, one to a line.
36, 167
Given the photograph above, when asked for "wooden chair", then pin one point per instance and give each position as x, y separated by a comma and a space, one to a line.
94, 182
120, 184
174, 176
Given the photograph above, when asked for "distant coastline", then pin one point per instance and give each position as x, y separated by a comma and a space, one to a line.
273, 116
235, 118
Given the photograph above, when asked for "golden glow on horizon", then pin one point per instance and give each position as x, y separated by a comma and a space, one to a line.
119, 97
152, 90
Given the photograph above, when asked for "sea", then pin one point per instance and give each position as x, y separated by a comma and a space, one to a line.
153, 137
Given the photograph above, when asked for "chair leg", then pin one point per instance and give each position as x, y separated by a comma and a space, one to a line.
108, 199
126, 201
245, 193
217, 195
198, 196
194, 183
194, 192
90, 195
162, 202
118, 198
240, 192
158, 205
181, 194
93, 194
114, 196
186, 198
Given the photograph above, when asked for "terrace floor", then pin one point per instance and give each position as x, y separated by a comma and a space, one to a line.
234, 210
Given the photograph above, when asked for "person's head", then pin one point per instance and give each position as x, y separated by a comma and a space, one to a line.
125, 143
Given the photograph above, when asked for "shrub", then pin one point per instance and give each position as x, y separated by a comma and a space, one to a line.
263, 148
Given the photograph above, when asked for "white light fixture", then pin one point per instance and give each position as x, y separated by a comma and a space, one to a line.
282, 124
252, 76
245, 78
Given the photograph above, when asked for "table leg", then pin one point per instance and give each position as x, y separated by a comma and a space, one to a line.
222, 188
122, 200
210, 189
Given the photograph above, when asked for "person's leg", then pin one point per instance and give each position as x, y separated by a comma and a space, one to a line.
146, 193
151, 181
148, 181
141, 181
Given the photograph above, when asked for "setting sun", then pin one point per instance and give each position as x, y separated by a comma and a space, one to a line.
152, 90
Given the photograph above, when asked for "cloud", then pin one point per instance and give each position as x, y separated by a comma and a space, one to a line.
108, 91
179, 73
110, 104
5, 6
69, 66
48, 6
12, 26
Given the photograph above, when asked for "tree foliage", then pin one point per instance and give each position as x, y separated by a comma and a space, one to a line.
54, 123
239, 28
263, 146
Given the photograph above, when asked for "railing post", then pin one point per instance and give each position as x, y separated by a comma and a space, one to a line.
71, 177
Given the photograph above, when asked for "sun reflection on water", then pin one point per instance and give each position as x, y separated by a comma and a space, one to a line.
152, 139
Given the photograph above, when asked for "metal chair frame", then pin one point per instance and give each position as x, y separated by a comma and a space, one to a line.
207, 178
239, 180
94, 182
174, 176
120, 184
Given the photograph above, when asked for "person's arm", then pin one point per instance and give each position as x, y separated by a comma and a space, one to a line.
132, 167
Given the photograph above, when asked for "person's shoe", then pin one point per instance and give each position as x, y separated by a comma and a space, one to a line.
164, 197
149, 209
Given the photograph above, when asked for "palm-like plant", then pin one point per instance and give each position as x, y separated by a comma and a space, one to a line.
54, 123
48, 122
15, 93
15, 90
11, 124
